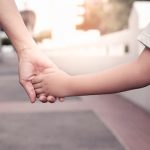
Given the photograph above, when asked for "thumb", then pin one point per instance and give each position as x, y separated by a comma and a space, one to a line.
29, 90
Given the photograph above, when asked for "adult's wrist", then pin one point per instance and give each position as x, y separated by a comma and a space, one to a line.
25, 51
22, 45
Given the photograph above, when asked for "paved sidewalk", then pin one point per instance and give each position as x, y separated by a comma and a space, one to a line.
128, 122
78, 130
106, 122
61, 126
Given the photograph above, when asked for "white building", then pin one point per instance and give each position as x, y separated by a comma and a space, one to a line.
139, 19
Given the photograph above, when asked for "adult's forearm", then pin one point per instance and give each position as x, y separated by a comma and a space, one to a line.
12, 23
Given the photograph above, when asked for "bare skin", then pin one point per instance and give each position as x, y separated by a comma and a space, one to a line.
31, 59
135, 74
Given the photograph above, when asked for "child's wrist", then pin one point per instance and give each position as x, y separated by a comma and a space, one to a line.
70, 86
73, 84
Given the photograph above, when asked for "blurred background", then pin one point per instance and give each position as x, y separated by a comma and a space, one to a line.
80, 36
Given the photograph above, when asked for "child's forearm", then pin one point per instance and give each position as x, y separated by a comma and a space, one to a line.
12, 23
122, 78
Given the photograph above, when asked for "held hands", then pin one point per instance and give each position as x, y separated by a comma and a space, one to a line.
31, 63
52, 81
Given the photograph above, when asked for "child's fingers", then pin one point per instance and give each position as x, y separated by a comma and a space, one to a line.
51, 99
43, 98
62, 99
37, 85
39, 91
36, 79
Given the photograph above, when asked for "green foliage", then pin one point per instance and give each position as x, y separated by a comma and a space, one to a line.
115, 15
6, 41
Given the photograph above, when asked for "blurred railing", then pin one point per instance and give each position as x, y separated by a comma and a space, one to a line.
116, 44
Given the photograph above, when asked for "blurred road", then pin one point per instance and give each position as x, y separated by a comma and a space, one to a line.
10, 89
102, 122
67, 126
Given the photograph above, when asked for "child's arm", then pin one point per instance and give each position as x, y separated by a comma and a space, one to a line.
124, 77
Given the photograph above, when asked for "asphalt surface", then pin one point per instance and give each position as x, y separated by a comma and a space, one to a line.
55, 131
10, 89
78, 130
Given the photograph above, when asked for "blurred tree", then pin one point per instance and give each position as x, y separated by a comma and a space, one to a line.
115, 15
29, 18
6, 41
106, 15
46, 34
92, 15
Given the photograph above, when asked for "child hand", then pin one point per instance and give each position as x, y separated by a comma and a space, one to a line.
52, 82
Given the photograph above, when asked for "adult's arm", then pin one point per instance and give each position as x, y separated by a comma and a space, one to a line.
31, 59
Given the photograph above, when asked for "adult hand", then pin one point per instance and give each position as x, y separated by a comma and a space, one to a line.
33, 61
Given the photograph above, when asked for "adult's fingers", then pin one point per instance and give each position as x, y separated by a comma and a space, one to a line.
27, 85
